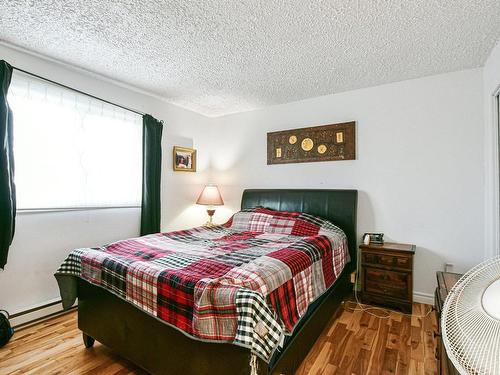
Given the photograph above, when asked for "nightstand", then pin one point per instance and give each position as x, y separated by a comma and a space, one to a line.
387, 275
445, 281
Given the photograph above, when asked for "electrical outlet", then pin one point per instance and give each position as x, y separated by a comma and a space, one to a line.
353, 277
448, 267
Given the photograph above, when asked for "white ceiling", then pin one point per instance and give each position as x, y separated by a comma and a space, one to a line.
222, 56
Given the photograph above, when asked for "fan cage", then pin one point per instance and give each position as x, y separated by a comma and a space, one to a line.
470, 335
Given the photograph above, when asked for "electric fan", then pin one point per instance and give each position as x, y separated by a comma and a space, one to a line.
470, 321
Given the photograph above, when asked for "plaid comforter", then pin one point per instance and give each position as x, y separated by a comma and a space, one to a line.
247, 282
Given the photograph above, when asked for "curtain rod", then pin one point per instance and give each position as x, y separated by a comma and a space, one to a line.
78, 91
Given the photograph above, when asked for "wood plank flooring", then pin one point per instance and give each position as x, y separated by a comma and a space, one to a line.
354, 343
360, 343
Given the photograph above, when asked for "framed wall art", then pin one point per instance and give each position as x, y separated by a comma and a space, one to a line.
184, 159
317, 143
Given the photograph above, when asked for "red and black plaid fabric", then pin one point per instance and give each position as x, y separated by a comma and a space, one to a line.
261, 269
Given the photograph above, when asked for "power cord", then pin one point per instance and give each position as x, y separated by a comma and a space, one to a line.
368, 309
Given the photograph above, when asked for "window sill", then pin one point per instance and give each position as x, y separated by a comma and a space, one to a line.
68, 209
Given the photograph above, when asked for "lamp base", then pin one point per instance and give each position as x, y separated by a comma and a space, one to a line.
210, 212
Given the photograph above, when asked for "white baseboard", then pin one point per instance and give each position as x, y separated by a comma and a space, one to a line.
426, 298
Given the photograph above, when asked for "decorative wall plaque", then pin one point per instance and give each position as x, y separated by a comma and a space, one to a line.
317, 143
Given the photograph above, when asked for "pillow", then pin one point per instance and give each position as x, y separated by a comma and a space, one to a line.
265, 220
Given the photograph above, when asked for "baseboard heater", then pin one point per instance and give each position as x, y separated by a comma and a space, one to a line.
37, 314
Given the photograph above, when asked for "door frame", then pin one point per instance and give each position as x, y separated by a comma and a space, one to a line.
492, 177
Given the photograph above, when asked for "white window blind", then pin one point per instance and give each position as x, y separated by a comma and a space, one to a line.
71, 150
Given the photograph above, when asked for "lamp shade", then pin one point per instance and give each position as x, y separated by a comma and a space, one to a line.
210, 196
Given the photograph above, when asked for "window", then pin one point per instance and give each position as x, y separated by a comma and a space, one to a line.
72, 150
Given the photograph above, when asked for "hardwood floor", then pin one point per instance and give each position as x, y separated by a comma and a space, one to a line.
360, 343
56, 347
355, 343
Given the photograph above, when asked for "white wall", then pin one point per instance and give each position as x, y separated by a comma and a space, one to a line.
419, 167
43, 240
491, 83
419, 171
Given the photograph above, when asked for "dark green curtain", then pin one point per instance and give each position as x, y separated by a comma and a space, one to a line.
151, 175
7, 187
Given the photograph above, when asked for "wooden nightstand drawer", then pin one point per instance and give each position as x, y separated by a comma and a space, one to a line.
391, 283
387, 260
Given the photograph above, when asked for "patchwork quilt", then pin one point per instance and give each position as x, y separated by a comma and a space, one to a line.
247, 282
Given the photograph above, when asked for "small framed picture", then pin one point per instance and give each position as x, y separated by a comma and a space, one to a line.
184, 159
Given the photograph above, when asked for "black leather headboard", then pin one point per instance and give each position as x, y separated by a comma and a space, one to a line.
337, 206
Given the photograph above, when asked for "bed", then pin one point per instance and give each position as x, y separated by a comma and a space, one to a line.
164, 349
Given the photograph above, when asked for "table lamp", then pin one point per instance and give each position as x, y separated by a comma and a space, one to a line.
210, 196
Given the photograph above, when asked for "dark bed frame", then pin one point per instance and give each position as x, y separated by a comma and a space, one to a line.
161, 349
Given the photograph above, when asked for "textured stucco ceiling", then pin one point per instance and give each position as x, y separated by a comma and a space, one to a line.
222, 56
